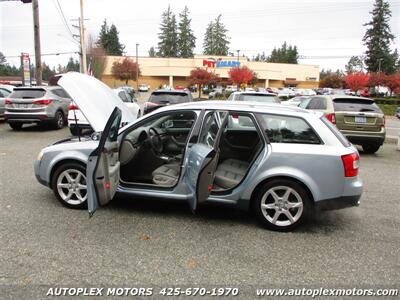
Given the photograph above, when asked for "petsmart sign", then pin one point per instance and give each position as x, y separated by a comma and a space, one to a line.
219, 63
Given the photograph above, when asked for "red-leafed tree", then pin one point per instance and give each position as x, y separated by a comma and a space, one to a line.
241, 75
334, 81
377, 79
201, 77
393, 83
356, 81
125, 70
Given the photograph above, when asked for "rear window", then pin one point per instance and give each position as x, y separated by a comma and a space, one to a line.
336, 132
258, 98
356, 105
27, 93
172, 98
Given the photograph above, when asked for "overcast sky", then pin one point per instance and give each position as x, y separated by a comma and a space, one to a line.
321, 28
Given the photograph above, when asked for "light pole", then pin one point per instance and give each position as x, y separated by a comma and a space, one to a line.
238, 51
379, 64
137, 68
83, 44
38, 59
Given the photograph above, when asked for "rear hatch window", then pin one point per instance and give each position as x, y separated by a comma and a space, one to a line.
27, 93
171, 98
356, 105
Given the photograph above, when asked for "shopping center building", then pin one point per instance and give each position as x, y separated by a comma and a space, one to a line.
159, 71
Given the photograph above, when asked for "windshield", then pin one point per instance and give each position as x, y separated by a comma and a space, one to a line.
169, 98
356, 105
258, 98
27, 93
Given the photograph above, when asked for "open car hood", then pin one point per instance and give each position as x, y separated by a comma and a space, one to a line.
95, 100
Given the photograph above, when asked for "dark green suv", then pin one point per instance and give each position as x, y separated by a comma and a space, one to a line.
359, 119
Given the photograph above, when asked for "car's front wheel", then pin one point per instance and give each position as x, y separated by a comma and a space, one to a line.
281, 205
69, 185
370, 148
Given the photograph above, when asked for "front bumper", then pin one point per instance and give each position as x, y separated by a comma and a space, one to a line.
337, 203
36, 168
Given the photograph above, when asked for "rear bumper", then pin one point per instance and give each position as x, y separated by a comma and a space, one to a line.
360, 137
337, 203
26, 117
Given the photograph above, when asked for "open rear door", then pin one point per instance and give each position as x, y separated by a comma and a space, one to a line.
203, 158
103, 165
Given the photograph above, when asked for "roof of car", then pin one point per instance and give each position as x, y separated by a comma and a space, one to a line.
45, 87
340, 96
249, 106
254, 93
169, 91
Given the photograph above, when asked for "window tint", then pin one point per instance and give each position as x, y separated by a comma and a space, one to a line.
285, 129
336, 132
211, 124
172, 98
357, 105
317, 103
60, 93
27, 93
123, 97
237, 120
4, 93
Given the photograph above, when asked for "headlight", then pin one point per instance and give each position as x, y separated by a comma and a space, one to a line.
40, 155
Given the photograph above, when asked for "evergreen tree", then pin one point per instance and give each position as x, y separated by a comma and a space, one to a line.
72, 65
354, 65
186, 39
47, 73
109, 40
167, 46
152, 52
284, 54
216, 41
378, 38
208, 44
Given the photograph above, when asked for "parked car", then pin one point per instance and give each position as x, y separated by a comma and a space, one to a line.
160, 98
359, 119
295, 101
286, 92
254, 96
130, 90
305, 92
77, 121
194, 153
5, 91
43, 104
143, 87
218, 91
231, 88
397, 114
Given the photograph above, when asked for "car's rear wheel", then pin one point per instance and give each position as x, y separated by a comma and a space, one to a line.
370, 148
58, 122
281, 205
69, 185
16, 126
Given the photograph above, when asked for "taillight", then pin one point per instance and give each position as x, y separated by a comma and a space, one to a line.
331, 118
42, 102
8, 102
350, 164
73, 107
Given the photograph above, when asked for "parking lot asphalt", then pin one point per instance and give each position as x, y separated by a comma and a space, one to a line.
147, 243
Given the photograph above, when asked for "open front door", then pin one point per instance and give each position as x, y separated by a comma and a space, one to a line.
103, 165
203, 158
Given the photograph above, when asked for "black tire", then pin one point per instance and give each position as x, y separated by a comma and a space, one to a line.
16, 126
370, 148
75, 131
282, 223
59, 121
68, 166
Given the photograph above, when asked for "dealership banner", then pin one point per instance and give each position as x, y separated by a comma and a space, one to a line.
26, 69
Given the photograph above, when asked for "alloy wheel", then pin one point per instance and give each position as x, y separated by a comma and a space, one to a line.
71, 186
282, 206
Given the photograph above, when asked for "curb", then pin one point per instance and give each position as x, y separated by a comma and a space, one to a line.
391, 140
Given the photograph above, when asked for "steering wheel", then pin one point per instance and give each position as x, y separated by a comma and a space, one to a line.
155, 141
